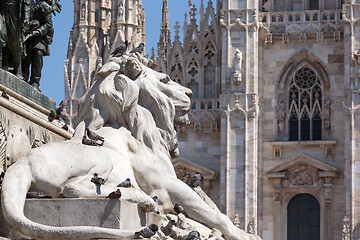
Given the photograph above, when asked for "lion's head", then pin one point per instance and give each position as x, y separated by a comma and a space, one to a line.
124, 83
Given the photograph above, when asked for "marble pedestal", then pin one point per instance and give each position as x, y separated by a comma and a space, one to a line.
107, 213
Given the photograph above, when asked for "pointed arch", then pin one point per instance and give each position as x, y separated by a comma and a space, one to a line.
210, 18
300, 58
209, 49
305, 97
176, 76
193, 66
79, 86
82, 49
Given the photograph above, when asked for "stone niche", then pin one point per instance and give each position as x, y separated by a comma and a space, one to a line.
298, 175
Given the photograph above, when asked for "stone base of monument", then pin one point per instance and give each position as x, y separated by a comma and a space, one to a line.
107, 213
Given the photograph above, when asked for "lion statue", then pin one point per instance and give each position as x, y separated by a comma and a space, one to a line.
134, 109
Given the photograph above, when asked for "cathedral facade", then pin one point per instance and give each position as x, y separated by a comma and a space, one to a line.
275, 116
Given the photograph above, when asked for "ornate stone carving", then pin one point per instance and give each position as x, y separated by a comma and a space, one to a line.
302, 176
236, 220
254, 110
346, 233
251, 226
302, 37
285, 38
237, 75
281, 115
329, 151
277, 152
120, 13
326, 114
268, 38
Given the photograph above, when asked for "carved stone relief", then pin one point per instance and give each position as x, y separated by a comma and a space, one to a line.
281, 115
237, 76
326, 114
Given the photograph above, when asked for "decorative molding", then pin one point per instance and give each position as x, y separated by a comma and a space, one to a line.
302, 171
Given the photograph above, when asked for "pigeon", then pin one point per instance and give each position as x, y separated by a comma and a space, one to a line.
90, 142
193, 235
138, 49
180, 209
120, 50
94, 136
148, 231
52, 116
115, 195
97, 180
125, 184
196, 180
4, 95
65, 127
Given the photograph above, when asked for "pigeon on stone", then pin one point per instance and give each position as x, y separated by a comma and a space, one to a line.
65, 127
148, 231
115, 195
193, 235
125, 184
4, 95
90, 142
120, 50
138, 49
61, 113
52, 116
180, 209
97, 180
93, 136
196, 180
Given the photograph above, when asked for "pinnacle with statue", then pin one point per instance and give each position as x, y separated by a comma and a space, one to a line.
131, 110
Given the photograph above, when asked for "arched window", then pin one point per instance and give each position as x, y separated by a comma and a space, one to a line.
305, 102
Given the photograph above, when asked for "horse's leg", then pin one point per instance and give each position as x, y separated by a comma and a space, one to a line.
197, 209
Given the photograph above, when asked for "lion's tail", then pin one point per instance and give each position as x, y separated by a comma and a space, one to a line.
16, 184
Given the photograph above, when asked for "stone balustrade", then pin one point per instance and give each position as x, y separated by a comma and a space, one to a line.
205, 104
316, 17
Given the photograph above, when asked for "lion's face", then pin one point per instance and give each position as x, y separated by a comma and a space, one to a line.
178, 95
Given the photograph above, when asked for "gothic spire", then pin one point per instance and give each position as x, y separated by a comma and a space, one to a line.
164, 41
165, 25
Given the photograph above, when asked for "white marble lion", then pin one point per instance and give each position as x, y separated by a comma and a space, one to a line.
134, 108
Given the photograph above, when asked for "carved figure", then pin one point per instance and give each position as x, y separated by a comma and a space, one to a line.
237, 77
134, 108
326, 114
121, 10
281, 115
14, 14
38, 41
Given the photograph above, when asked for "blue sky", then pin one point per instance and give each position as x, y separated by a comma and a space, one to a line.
52, 81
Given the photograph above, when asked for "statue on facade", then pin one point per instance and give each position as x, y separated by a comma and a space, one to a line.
281, 115
120, 13
37, 41
134, 109
14, 16
237, 76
